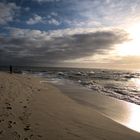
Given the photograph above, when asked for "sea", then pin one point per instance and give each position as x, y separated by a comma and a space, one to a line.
120, 84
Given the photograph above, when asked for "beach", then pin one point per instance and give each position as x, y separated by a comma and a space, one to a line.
34, 110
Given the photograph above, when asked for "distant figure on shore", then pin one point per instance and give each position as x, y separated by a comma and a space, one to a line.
11, 69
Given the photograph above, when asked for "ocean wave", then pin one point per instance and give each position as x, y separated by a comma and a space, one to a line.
122, 85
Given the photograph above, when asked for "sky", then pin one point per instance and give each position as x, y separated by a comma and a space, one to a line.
70, 33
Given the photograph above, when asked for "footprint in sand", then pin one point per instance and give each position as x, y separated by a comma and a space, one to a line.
7, 103
11, 124
8, 107
25, 106
2, 120
16, 135
39, 89
28, 127
1, 132
31, 136
26, 139
39, 136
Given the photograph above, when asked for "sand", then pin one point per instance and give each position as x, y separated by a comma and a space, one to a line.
123, 112
30, 110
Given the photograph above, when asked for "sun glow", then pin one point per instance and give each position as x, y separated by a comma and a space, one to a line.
136, 82
133, 120
132, 47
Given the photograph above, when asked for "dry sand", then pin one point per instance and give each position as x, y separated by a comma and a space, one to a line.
38, 111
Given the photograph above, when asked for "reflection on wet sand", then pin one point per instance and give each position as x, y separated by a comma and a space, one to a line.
133, 117
120, 111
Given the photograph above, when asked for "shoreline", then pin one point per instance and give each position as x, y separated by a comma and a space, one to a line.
120, 111
33, 110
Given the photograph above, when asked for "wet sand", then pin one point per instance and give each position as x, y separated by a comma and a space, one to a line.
33, 110
123, 112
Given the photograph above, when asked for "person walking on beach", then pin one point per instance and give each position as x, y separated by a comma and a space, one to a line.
11, 69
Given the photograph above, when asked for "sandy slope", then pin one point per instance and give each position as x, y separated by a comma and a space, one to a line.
38, 111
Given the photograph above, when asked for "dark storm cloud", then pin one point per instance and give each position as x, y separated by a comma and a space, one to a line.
27, 47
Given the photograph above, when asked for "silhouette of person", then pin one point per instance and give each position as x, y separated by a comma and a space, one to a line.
11, 69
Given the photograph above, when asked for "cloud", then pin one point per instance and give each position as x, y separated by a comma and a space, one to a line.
35, 19
108, 1
108, 12
7, 12
54, 14
35, 47
27, 9
40, 1
127, 62
53, 21
85, 23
